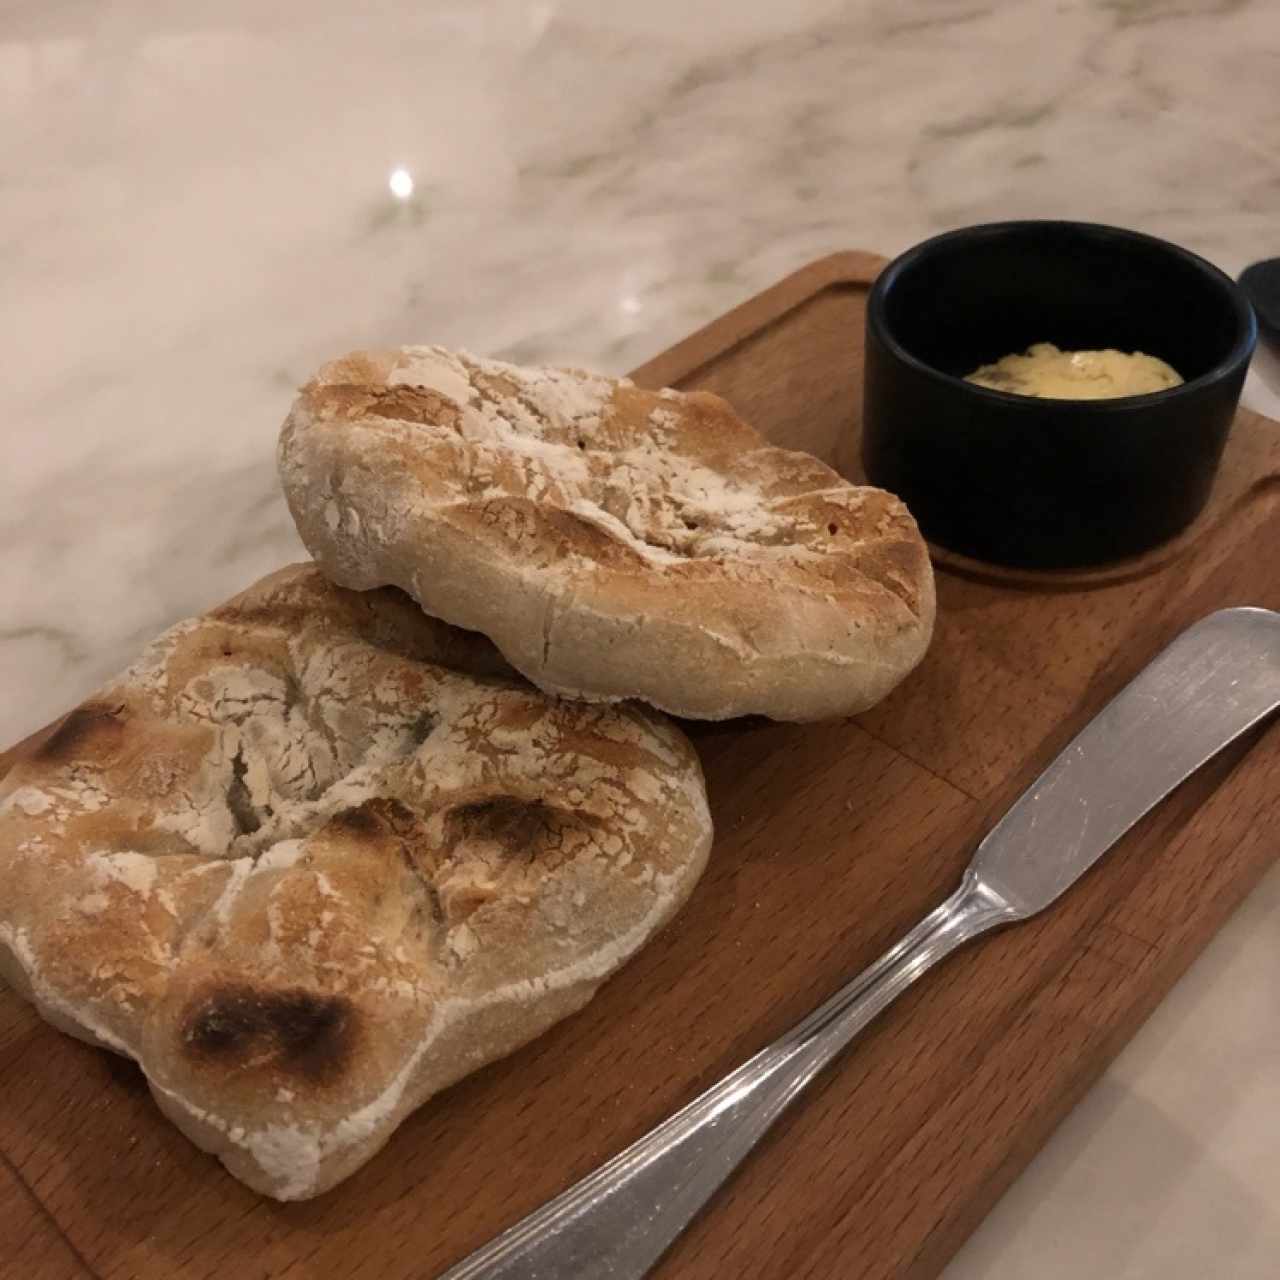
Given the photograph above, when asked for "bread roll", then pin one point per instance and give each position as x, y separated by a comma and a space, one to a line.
612, 542
317, 855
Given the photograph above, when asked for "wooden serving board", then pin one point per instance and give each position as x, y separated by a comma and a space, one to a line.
831, 841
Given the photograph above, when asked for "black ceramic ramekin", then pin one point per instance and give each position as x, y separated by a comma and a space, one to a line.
1049, 483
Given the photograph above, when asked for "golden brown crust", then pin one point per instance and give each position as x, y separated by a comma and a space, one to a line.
613, 542
316, 855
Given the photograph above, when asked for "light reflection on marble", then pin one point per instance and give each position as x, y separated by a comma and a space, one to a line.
195, 209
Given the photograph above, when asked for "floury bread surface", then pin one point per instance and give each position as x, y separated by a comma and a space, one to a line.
317, 855
612, 542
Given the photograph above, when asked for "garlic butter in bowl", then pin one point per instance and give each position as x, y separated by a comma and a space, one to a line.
1044, 371
1051, 394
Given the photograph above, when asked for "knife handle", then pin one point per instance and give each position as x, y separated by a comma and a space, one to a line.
618, 1221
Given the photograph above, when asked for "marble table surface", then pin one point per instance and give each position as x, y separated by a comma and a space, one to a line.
199, 203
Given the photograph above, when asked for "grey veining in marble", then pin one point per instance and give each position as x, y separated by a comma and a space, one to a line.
196, 207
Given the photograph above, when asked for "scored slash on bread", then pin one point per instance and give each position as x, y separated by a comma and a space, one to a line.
612, 542
316, 856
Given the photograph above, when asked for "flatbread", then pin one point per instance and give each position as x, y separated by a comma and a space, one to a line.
612, 542
316, 856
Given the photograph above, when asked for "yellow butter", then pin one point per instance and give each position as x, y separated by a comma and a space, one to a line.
1049, 373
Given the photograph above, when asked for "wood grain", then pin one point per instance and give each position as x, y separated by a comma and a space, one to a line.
831, 840
31, 1245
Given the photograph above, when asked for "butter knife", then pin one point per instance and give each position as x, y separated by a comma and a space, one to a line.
1217, 680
